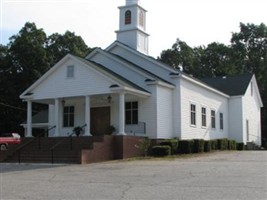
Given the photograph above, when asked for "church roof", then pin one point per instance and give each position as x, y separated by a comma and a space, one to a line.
231, 85
128, 82
142, 69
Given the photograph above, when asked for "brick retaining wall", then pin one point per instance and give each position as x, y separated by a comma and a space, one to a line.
112, 147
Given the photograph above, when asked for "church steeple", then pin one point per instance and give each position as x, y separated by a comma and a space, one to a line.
132, 31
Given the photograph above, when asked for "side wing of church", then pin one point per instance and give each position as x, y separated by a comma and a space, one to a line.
123, 88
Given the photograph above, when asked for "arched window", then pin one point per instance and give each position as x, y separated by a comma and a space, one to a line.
128, 17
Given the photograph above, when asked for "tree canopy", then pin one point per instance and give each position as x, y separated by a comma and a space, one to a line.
28, 55
247, 53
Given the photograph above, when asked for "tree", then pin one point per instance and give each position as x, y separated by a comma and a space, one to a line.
250, 51
29, 54
60, 45
179, 55
216, 60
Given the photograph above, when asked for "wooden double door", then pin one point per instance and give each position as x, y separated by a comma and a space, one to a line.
100, 121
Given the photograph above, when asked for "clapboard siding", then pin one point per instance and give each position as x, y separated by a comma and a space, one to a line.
201, 97
176, 110
86, 81
251, 112
164, 112
236, 119
148, 112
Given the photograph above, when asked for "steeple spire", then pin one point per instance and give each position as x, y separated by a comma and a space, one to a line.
132, 31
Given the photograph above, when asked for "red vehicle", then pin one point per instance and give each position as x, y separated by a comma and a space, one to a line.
8, 138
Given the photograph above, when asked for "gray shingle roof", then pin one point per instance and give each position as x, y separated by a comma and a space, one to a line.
141, 69
113, 74
231, 85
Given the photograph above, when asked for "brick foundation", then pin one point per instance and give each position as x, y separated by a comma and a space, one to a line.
112, 147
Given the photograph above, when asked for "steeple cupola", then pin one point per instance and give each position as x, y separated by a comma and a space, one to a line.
132, 31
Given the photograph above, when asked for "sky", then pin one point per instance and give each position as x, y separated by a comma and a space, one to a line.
197, 22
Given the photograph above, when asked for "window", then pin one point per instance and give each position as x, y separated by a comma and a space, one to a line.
193, 114
128, 17
213, 119
131, 112
221, 121
68, 116
70, 71
141, 18
204, 117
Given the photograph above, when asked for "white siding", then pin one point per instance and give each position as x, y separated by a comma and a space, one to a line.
235, 119
201, 97
176, 110
164, 112
251, 112
148, 112
85, 82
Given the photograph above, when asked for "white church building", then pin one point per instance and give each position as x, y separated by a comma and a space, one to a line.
123, 87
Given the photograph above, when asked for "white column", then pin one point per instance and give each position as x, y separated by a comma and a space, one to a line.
57, 119
87, 116
29, 119
122, 114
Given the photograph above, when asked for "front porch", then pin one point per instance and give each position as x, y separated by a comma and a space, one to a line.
97, 115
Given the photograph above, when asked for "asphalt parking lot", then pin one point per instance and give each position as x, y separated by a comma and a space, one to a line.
214, 176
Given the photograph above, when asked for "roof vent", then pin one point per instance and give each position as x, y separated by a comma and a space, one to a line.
224, 77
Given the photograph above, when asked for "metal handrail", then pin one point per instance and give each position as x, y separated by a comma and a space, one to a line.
49, 129
18, 150
61, 141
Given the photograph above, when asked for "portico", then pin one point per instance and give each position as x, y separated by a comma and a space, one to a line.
66, 113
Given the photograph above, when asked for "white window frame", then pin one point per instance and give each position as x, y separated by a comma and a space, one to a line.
68, 114
211, 118
131, 110
70, 71
193, 114
203, 115
221, 121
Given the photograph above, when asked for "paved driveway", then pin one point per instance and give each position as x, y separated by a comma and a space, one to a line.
222, 175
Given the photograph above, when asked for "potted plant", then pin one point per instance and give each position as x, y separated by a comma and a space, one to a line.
111, 129
77, 130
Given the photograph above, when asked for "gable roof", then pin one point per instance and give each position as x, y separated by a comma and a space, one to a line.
142, 69
113, 74
231, 85
146, 57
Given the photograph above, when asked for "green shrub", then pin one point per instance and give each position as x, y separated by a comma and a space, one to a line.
223, 144
186, 146
207, 146
161, 150
214, 144
144, 145
231, 144
173, 143
240, 146
198, 146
